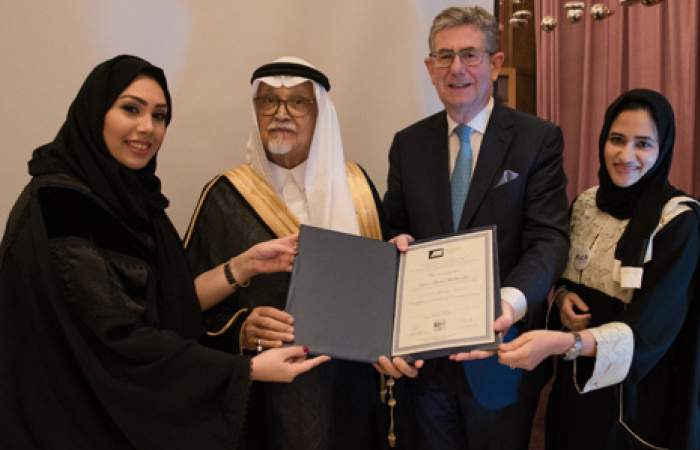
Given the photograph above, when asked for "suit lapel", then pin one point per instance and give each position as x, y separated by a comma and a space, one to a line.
494, 147
437, 165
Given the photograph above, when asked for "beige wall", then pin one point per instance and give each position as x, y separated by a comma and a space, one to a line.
371, 50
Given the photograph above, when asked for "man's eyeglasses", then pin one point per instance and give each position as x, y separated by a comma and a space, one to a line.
469, 57
296, 106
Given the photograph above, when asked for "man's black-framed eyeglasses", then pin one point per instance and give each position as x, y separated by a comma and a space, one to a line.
469, 56
296, 106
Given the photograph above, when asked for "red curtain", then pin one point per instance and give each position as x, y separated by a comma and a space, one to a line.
582, 67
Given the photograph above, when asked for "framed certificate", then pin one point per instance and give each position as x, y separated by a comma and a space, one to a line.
357, 298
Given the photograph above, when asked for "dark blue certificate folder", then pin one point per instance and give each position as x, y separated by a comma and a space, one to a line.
346, 296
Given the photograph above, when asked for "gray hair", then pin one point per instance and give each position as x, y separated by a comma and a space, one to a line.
474, 15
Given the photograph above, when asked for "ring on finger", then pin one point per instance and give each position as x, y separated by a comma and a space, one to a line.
258, 346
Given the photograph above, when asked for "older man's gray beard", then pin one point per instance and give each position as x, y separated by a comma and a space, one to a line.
278, 145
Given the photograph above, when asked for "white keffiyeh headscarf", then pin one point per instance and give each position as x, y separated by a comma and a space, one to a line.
327, 191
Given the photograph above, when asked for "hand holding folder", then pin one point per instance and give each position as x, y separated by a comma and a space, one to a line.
357, 298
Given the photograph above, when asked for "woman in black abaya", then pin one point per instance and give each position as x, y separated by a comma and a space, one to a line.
99, 313
627, 300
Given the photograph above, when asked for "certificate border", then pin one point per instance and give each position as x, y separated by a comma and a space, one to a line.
486, 341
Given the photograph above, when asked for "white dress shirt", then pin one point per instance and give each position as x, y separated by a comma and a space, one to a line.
478, 125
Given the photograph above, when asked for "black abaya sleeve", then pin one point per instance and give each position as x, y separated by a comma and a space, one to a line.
82, 367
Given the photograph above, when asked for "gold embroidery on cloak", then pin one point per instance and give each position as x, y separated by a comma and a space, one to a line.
363, 200
282, 221
264, 200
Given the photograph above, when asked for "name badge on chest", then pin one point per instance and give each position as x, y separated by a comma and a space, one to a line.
582, 257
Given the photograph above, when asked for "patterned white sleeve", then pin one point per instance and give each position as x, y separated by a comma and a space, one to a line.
615, 343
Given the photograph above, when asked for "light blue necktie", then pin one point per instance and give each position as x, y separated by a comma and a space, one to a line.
461, 174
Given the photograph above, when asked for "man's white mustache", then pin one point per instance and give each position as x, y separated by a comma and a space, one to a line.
281, 126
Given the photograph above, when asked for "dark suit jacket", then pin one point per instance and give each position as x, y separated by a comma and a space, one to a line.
529, 211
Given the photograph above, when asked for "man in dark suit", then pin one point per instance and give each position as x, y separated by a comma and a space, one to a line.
515, 180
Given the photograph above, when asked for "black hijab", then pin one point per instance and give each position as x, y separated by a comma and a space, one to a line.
643, 201
79, 150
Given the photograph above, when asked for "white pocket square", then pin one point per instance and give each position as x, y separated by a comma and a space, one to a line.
507, 177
